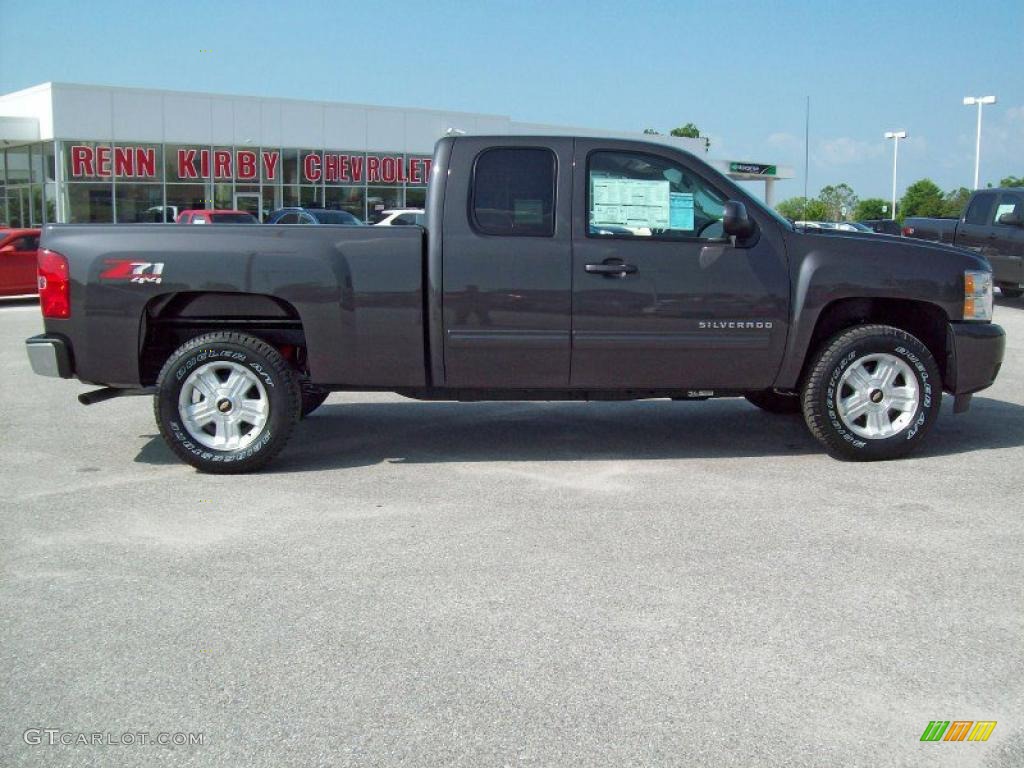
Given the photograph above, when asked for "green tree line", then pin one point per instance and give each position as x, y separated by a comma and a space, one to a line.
922, 198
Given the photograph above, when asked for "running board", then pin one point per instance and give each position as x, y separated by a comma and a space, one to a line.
109, 393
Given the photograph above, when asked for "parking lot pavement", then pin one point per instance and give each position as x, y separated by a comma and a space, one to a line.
550, 584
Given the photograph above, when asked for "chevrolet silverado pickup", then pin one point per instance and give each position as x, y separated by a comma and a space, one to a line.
992, 224
549, 269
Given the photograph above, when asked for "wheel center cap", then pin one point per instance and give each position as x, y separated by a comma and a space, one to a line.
223, 405
876, 396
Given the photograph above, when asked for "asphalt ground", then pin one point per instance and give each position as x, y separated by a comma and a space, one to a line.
508, 584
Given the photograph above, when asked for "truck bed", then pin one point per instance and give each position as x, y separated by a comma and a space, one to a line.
354, 288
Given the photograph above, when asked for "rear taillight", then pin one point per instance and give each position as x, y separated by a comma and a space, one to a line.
54, 284
907, 231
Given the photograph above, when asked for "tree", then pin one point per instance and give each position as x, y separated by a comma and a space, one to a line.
922, 198
651, 132
954, 202
836, 197
793, 208
691, 131
816, 210
1012, 181
872, 208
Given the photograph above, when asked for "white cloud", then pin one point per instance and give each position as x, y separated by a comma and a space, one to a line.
844, 150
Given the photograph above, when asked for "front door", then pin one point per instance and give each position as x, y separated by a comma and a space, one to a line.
506, 264
249, 202
661, 299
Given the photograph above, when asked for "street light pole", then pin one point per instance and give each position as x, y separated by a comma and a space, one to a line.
980, 101
895, 136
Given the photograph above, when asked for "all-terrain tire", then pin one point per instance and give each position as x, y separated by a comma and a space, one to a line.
842, 369
202, 369
775, 402
1011, 293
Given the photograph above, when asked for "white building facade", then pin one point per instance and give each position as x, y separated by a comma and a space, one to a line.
74, 153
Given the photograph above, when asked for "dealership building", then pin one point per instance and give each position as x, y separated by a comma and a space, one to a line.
89, 153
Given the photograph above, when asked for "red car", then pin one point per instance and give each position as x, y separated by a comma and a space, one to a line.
203, 216
18, 261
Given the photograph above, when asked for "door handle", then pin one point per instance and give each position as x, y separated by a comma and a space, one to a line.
611, 269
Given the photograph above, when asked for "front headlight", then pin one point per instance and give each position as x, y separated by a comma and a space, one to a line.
977, 295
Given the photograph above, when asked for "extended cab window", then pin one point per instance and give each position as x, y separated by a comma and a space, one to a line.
980, 210
514, 192
630, 194
1008, 203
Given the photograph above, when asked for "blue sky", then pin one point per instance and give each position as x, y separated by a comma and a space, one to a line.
740, 70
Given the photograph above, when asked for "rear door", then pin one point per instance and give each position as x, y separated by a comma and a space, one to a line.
506, 263
973, 230
1004, 246
660, 298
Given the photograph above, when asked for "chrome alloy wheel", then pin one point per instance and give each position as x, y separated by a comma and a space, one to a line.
223, 405
877, 396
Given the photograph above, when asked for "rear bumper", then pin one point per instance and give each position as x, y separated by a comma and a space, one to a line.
50, 356
974, 357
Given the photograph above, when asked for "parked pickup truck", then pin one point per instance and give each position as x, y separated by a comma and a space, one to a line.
992, 225
550, 269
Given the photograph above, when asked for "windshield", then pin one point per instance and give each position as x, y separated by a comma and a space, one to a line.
335, 217
233, 218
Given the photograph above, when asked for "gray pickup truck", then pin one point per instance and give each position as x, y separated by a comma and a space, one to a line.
550, 269
993, 225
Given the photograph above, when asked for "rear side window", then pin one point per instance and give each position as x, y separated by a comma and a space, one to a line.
514, 192
980, 210
1008, 203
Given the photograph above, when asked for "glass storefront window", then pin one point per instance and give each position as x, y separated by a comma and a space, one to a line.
415, 197
17, 165
311, 197
222, 196
139, 203
380, 199
89, 203
351, 199
270, 201
289, 197
290, 166
185, 197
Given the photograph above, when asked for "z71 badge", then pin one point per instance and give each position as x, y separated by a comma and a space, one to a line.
129, 271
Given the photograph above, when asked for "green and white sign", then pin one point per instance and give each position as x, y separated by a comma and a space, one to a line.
753, 168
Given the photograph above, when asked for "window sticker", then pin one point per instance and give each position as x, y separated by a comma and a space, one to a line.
633, 203
681, 210
1003, 208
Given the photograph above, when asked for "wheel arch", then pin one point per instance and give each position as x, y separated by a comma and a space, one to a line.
927, 321
169, 320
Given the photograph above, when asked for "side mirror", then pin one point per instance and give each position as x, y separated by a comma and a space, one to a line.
1010, 219
735, 221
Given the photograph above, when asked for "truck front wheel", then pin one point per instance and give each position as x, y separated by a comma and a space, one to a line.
873, 393
226, 402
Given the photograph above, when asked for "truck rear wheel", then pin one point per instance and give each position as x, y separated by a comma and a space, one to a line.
1011, 292
873, 393
226, 402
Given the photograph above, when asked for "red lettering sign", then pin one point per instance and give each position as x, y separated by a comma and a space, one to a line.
187, 164
222, 164
270, 165
311, 167
245, 164
103, 161
145, 162
81, 161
